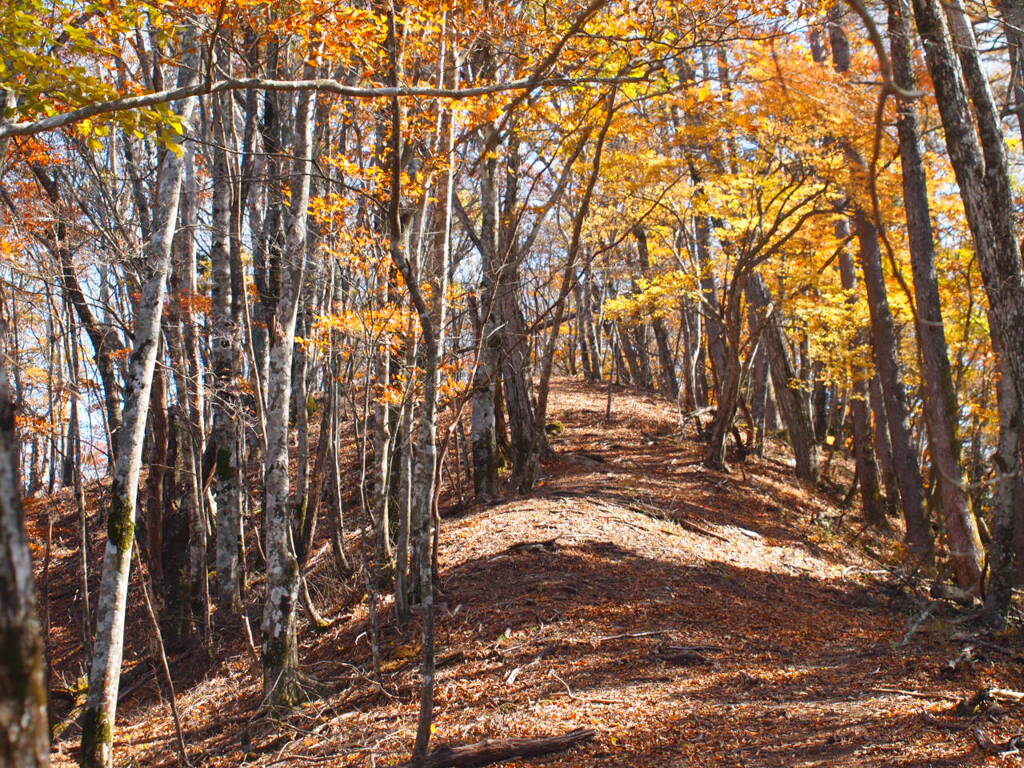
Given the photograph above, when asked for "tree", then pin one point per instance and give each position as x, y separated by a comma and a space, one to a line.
24, 732
101, 708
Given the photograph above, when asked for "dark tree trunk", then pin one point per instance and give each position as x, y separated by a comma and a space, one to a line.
1009, 508
940, 402
759, 395
695, 370
515, 378
225, 357
669, 382
630, 351
883, 447
483, 435
24, 735
977, 152
792, 401
711, 309
152, 520
864, 454
886, 355
884, 342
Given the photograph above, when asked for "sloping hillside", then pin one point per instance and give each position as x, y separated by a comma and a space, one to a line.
690, 618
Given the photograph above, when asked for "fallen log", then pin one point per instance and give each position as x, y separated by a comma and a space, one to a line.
491, 751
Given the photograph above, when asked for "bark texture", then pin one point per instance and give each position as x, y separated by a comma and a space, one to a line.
24, 735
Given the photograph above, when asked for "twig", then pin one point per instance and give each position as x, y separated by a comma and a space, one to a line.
309, 759
143, 579
631, 634
585, 700
949, 725
996, 647
916, 694
698, 528
249, 641
921, 619
1011, 747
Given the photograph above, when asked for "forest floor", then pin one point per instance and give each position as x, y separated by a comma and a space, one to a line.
558, 610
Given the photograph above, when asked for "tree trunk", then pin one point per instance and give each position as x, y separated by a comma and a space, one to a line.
1009, 504
159, 438
728, 394
791, 400
758, 391
482, 427
184, 578
883, 341
694, 371
864, 455
710, 309
515, 377
1012, 12
280, 646
883, 447
103, 337
666, 360
225, 356
24, 733
886, 355
101, 706
630, 352
940, 402
977, 152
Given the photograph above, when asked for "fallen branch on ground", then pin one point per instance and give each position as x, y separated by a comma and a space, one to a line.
916, 694
548, 545
1006, 695
684, 655
491, 751
984, 699
1011, 747
584, 699
918, 623
631, 634
697, 528
949, 725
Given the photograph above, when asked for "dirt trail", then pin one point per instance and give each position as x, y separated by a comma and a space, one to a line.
561, 608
